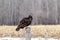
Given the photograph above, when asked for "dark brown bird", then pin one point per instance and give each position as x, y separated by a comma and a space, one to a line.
24, 22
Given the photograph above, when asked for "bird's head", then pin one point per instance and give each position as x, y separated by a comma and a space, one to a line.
30, 17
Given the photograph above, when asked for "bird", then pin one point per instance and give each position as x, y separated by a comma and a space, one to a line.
24, 22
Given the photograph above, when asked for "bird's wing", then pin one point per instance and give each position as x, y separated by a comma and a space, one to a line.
22, 22
25, 22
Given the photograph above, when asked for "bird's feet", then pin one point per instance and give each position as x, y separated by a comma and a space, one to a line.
27, 27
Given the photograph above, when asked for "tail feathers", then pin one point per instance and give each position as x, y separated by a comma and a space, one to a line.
17, 29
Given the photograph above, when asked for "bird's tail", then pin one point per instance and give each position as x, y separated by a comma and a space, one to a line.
17, 29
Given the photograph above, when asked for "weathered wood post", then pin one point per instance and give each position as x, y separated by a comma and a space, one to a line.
28, 33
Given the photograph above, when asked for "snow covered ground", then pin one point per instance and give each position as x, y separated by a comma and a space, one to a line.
39, 38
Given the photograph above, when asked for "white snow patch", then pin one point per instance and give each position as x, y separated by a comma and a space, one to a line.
39, 38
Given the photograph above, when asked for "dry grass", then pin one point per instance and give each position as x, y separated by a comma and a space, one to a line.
36, 31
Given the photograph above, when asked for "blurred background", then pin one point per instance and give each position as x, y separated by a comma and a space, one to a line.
43, 11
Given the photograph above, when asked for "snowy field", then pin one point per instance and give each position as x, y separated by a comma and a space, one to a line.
39, 38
